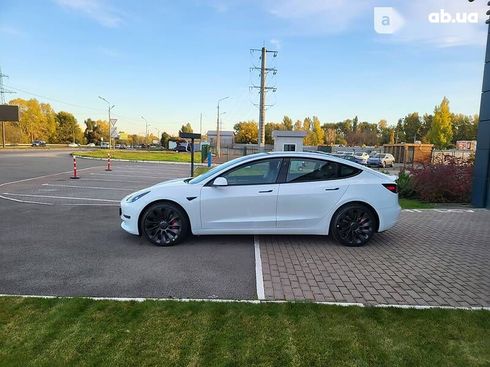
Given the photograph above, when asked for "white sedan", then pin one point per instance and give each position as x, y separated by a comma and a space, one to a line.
268, 193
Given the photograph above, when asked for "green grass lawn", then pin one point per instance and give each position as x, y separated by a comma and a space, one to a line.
414, 204
61, 332
141, 155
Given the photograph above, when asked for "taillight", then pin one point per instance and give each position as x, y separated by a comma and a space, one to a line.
392, 187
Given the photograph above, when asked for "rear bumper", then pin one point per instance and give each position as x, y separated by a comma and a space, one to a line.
388, 217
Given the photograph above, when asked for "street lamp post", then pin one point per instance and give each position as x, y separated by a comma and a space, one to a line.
218, 137
109, 110
146, 130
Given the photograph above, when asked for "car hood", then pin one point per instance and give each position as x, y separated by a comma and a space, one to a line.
175, 182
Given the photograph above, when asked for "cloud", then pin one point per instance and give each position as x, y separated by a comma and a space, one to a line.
324, 17
109, 52
318, 16
276, 43
459, 31
96, 10
11, 31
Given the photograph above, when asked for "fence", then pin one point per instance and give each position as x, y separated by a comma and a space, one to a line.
445, 156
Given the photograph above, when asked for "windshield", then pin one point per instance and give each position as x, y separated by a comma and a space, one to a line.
221, 167
379, 156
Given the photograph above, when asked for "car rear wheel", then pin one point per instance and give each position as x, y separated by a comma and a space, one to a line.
164, 224
353, 225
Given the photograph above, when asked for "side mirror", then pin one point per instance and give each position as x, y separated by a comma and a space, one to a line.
220, 181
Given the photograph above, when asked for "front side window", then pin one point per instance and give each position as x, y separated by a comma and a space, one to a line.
307, 170
255, 173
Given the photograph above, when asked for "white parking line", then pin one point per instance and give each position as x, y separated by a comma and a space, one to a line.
89, 187
116, 175
62, 197
45, 176
258, 270
103, 180
24, 201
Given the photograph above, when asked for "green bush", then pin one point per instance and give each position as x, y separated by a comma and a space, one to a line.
405, 185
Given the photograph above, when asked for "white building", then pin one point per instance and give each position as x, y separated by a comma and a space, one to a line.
227, 138
288, 141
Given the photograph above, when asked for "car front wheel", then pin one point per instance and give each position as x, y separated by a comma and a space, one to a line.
353, 225
164, 224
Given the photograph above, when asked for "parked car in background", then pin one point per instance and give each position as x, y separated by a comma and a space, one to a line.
91, 145
345, 153
38, 143
104, 145
381, 160
361, 157
294, 192
182, 147
348, 157
73, 145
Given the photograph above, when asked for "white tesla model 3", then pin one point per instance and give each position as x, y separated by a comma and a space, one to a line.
268, 193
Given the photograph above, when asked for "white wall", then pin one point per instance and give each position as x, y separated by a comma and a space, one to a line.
280, 141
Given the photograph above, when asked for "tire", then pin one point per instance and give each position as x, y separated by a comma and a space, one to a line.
164, 224
353, 225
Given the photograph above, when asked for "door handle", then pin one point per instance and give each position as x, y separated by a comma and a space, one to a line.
332, 189
265, 191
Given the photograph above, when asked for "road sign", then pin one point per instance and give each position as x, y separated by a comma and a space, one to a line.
113, 122
189, 135
9, 113
114, 133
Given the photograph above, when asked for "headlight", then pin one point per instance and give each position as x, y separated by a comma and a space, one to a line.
133, 198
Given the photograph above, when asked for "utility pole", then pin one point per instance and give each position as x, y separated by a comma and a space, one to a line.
200, 124
3, 91
110, 123
263, 90
218, 137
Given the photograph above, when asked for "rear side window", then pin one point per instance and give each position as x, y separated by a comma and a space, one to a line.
348, 171
307, 170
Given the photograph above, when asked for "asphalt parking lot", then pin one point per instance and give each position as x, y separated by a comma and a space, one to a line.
60, 236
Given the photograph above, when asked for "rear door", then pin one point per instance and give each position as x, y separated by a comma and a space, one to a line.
310, 191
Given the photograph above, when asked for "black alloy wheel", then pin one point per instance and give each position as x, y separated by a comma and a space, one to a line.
164, 224
353, 225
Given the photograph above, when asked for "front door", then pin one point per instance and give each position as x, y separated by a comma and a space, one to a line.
248, 201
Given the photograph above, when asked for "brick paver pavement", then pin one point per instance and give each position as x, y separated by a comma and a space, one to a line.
431, 257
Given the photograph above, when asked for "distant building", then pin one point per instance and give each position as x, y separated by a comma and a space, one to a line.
288, 141
227, 138
410, 152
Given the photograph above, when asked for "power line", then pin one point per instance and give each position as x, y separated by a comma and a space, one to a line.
55, 99
263, 89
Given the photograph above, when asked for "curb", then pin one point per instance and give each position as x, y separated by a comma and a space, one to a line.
140, 161
251, 301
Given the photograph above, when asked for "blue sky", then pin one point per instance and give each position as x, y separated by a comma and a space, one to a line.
171, 60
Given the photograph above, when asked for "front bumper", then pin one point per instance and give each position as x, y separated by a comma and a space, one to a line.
129, 216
